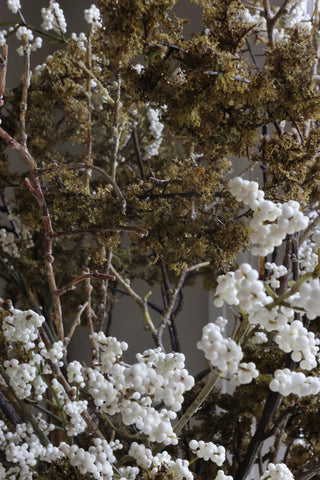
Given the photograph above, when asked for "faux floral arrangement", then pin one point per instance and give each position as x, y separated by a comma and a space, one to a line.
128, 136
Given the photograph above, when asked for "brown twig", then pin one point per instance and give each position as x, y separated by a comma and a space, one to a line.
24, 96
87, 174
36, 190
75, 323
172, 327
138, 150
167, 315
142, 302
3, 72
116, 130
272, 20
103, 291
81, 278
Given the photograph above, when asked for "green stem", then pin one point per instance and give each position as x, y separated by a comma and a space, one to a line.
196, 404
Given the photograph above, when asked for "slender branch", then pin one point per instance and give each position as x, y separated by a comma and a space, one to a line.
272, 404
75, 323
142, 302
3, 71
166, 298
103, 291
12, 143
138, 150
89, 315
273, 20
81, 278
8, 409
88, 172
24, 96
27, 414
167, 315
116, 130
102, 88
36, 190
196, 404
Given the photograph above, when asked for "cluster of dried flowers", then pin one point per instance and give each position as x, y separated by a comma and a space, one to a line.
129, 165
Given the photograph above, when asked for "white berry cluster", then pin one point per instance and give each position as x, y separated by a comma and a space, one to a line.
72, 409
244, 288
12, 243
53, 18
22, 326
222, 476
143, 456
161, 376
97, 460
287, 382
276, 271
111, 350
81, 40
208, 451
54, 354
241, 287
271, 222
102, 390
128, 473
308, 252
134, 391
245, 374
278, 471
155, 129
23, 377
295, 338
308, 298
225, 354
22, 450
74, 373
25, 34
92, 16
156, 424
14, 5
274, 319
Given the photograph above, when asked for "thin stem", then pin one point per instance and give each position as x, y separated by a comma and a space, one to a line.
103, 291
81, 278
142, 302
88, 172
89, 315
167, 315
25, 410
24, 96
75, 323
102, 88
196, 404
138, 150
3, 72
36, 190
116, 132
